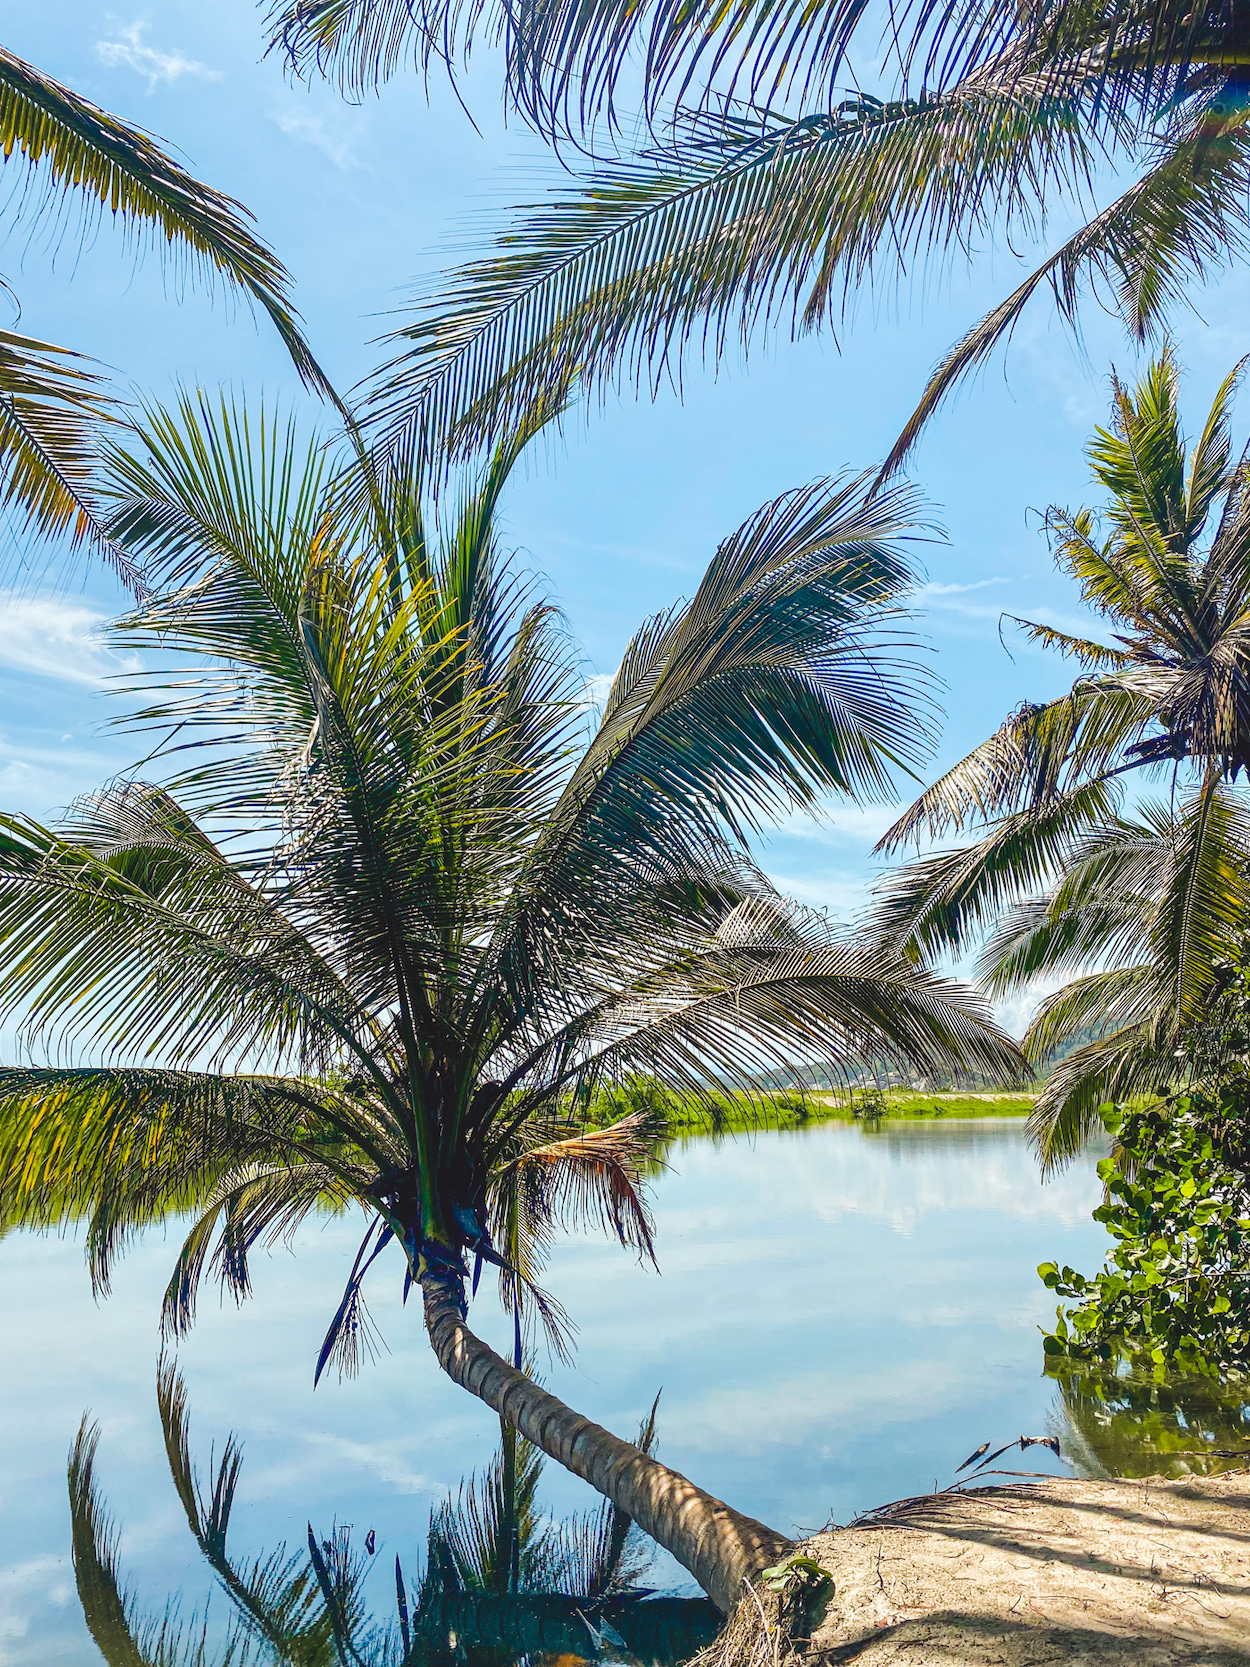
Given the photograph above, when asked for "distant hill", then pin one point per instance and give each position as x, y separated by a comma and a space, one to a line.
1090, 1033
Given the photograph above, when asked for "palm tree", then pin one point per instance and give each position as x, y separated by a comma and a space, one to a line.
51, 401
1148, 907
393, 916
768, 190
499, 1579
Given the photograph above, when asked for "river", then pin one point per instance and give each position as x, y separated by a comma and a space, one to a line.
842, 1315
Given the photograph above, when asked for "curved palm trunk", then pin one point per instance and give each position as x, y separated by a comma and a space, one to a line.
719, 1545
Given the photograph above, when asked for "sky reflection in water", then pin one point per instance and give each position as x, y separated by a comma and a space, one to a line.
843, 1315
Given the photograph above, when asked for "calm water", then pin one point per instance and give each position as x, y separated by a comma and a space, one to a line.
842, 1317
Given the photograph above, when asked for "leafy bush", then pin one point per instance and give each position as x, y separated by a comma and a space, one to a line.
1174, 1294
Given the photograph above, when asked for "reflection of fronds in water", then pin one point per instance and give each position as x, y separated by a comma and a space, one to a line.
500, 1582
493, 1539
1125, 1424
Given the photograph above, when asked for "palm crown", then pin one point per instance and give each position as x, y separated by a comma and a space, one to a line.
1146, 906
395, 915
426, 897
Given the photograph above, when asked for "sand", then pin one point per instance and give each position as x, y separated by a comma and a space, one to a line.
1153, 1573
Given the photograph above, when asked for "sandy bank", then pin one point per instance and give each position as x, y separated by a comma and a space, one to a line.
1152, 1573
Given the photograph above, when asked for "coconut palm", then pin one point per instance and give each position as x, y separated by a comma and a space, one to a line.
393, 916
770, 190
499, 1579
51, 400
1149, 907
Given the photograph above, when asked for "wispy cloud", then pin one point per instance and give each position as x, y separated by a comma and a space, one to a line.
1016, 1012
598, 688
860, 824
41, 779
835, 891
333, 134
45, 637
932, 590
130, 51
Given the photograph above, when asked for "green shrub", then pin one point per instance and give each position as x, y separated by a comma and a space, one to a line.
1174, 1294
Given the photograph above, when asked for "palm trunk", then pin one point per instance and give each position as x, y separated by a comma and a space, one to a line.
719, 1545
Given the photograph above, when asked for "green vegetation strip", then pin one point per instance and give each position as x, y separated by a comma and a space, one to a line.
739, 1113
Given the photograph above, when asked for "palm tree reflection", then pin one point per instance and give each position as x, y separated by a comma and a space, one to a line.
500, 1584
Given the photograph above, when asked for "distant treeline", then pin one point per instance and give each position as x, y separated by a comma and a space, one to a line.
676, 1113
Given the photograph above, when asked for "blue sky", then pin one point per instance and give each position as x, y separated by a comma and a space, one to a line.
621, 515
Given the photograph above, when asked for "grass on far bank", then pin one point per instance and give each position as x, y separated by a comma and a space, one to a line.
788, 1109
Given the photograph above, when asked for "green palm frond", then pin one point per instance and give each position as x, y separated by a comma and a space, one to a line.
184, 953
1173, 226
701, 246
1204, 904
1130, 1061
81, 151
942, 902
780, 989
51, 409
275, 1599
781, 678
564, 62
124, 1149
491, 1537
1038, 758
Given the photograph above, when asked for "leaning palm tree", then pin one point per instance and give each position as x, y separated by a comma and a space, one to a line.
775, 183
51, 400
1151, 904
384, 928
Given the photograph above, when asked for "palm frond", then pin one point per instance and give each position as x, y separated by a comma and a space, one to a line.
122, 1635
112, 167
780, 991
125, 1148
51, 411
699, 248
1204, 903
172, 937
589, 1177
564, 63
776, 682
1130, 1061
937, 903
491, 1537
1170, 227
1095, 655
275, 1599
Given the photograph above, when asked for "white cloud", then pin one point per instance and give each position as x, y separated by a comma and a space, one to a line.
334, 135
838, 893
598, 688
926, 592
861, 824
41, 781
52, 638
1015, 1013
154, 65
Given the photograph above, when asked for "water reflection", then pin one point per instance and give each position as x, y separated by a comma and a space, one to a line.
499, 1583
1114, 1422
